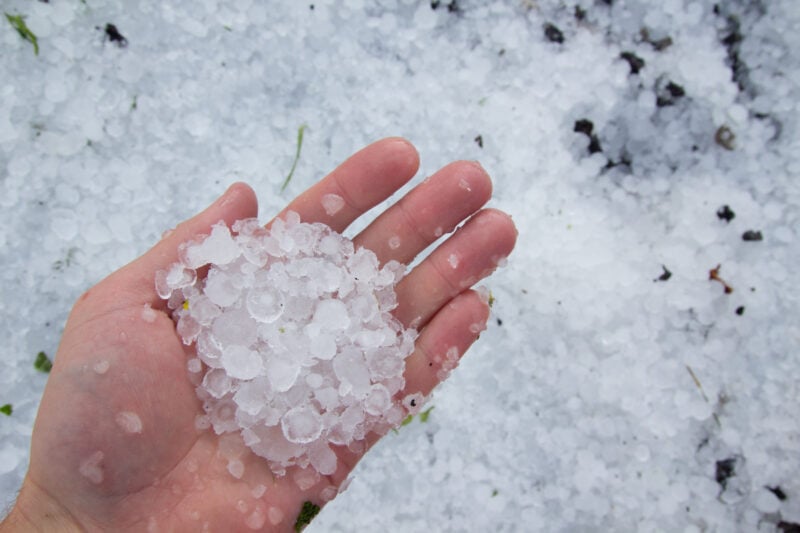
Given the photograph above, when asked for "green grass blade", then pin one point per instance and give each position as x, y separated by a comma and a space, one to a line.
18, 23
300, 132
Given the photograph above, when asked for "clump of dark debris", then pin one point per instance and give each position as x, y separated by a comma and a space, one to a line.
114, 36
586, 127
725, 213
452, 6
665, 275
553, 34
752, 236
668, 92
725, 137
635, 62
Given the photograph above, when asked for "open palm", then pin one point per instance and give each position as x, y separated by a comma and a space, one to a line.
115, 445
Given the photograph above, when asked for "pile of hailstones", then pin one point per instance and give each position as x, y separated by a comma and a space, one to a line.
295, 342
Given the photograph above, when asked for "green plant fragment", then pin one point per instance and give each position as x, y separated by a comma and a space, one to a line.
495, 492
407, 420
42, 363
18, 23
61, 264
307, 514
300, 132
7, 409
423, 416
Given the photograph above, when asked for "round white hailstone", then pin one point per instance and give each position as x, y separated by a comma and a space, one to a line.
275, 516
202, 422
328, 493
294, 331
314, 381
236, 468
414, 402
256, 519
129, 422
101, 367
149, 314
766, 501
332, 203
91, 468
265, 305
301, 425
241, 363
378, 400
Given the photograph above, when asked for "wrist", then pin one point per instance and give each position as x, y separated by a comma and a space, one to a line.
36, 510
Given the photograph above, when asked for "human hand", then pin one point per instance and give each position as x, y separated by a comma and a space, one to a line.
115, 447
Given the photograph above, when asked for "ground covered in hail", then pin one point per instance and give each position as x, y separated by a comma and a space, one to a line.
640, 370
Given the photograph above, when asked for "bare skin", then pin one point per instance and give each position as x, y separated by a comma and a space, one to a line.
92, 471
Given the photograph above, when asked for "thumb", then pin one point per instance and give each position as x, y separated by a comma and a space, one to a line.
138, 277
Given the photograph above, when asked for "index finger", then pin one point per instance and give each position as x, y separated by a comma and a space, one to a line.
364, 180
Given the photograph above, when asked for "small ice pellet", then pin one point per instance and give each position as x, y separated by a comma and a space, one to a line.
451, 358
394, 242
295, 322
766, 501
258, 491
332, 203
452, 259
90, 468
468, 282
149, 314
256, 519
101, 367
413, 403
642, 453
463, 184
314, 381
275, 516
236, 468
438, 232
129, 422
328, 493
306, 478
484, 294
202, 422
477, 327
301, 425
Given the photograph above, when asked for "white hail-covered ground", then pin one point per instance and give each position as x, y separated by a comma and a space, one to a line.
617, 387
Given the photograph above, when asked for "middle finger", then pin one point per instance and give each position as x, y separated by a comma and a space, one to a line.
433, 208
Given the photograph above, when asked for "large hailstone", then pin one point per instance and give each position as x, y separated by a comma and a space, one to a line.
294, 330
